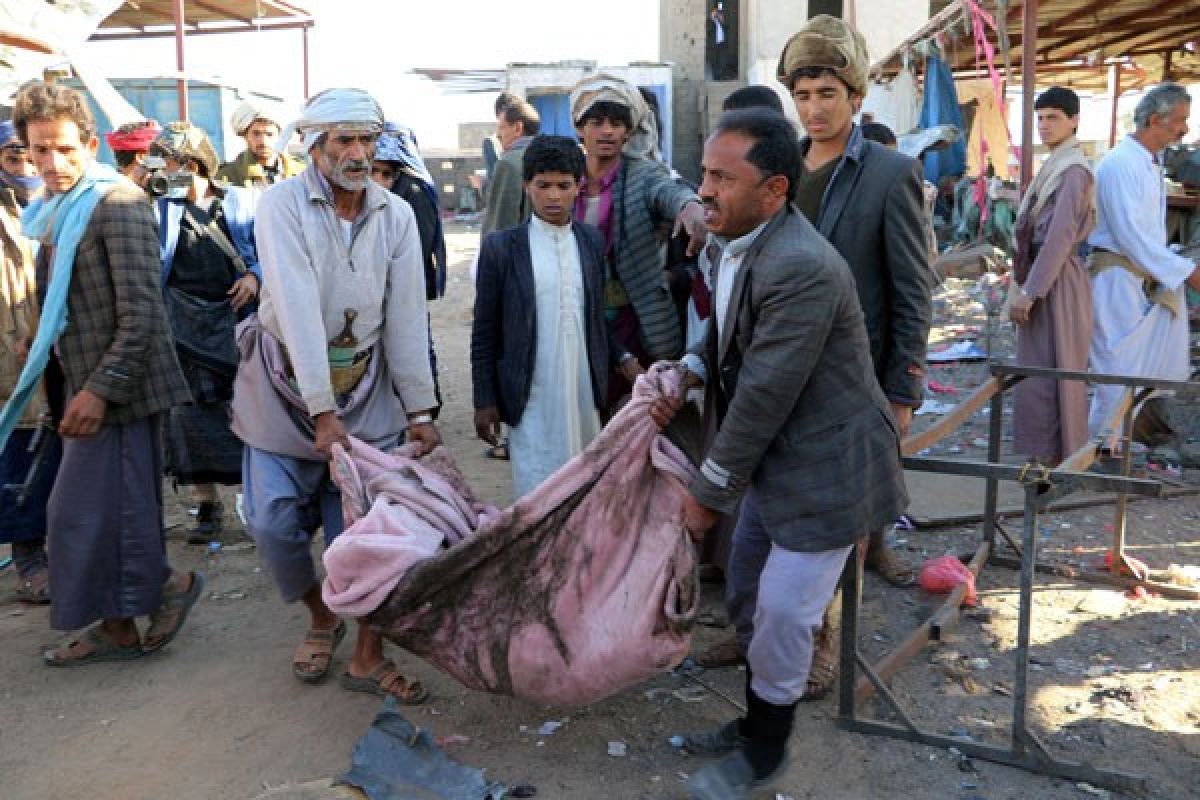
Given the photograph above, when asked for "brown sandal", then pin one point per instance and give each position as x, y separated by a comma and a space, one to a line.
35, 589
822, 675
385, 681
166, 622
311, 660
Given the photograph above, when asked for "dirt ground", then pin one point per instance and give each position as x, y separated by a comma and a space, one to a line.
1115, 680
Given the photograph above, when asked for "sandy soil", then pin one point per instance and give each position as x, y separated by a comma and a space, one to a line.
218, 714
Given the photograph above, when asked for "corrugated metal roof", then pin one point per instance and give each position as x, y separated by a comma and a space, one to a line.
157, 17
1078, 41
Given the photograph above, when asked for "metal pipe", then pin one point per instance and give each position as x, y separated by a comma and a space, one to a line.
1025, 618
1028, 86
304, 31
1114, 84
1118, 551
180, 78
992, 485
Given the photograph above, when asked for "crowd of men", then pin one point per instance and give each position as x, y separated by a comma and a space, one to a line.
232, 323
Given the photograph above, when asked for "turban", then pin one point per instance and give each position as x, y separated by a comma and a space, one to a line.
827, 42
183, 141
8, 133
605, 88
135, 137
245, 115
398, 143
347, 109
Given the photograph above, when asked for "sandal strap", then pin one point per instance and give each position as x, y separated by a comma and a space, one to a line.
391, 681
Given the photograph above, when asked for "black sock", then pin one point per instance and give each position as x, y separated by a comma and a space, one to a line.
771, 726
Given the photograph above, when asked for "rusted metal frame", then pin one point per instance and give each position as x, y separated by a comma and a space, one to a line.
1127, 35
305, 59
1113, 23
991, 492
1177, 37
1105, 577
1032, 473
942, 620
1024, 750
1093, 377
223, 12
952, 520
917, 442
162, 33
181, 76
1074, 16
1083, 458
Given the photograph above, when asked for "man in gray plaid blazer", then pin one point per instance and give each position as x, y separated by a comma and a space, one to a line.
806, 440
112, 374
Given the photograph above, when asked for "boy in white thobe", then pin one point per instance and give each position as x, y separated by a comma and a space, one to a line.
540, 346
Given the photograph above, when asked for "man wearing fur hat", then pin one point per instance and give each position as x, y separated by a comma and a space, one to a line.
260, 164
867, 200
210, 277
339, 348
627, 192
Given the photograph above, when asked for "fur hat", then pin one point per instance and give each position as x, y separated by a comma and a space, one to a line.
183, 141
827, 42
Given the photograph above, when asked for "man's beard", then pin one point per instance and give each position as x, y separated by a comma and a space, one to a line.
336, 172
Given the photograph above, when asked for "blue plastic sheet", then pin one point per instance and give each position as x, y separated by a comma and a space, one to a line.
941, 108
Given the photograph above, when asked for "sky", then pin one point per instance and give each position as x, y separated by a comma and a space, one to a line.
371, 44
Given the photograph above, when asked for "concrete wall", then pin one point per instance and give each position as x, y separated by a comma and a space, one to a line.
452, 171
765, 27
681, 44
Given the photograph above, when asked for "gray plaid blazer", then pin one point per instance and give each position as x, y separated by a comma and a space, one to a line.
802, 418
117, 343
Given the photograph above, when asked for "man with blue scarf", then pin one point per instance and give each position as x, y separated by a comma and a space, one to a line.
103, 345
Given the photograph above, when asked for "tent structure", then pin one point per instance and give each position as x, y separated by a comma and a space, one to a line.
181, 18
1112, 45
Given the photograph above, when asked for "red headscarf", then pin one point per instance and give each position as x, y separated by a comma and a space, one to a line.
134, 138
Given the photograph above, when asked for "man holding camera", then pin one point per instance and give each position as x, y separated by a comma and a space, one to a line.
210, 280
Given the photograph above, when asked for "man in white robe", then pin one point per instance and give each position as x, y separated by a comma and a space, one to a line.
1141, 323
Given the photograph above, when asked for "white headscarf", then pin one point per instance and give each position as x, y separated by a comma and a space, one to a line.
245, 114
347, 109
605, 88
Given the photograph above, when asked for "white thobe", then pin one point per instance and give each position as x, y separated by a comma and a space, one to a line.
1131, 335
560, 417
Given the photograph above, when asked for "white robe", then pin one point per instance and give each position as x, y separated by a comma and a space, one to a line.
1133, 336
560, 417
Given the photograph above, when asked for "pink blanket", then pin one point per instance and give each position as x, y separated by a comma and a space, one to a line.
582, 588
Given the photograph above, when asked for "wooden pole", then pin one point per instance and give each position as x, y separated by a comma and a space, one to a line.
181, 77
1166, 76
1028, 87
1114, 86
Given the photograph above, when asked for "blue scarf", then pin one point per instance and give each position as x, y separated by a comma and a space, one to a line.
59, 220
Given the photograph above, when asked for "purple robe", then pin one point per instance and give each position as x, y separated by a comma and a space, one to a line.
1050, 418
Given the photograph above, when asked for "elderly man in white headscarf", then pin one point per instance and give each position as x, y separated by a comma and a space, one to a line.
339, 348
261, 163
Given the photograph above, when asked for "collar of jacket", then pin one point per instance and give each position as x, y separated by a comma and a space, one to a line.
319, 191
855, 146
